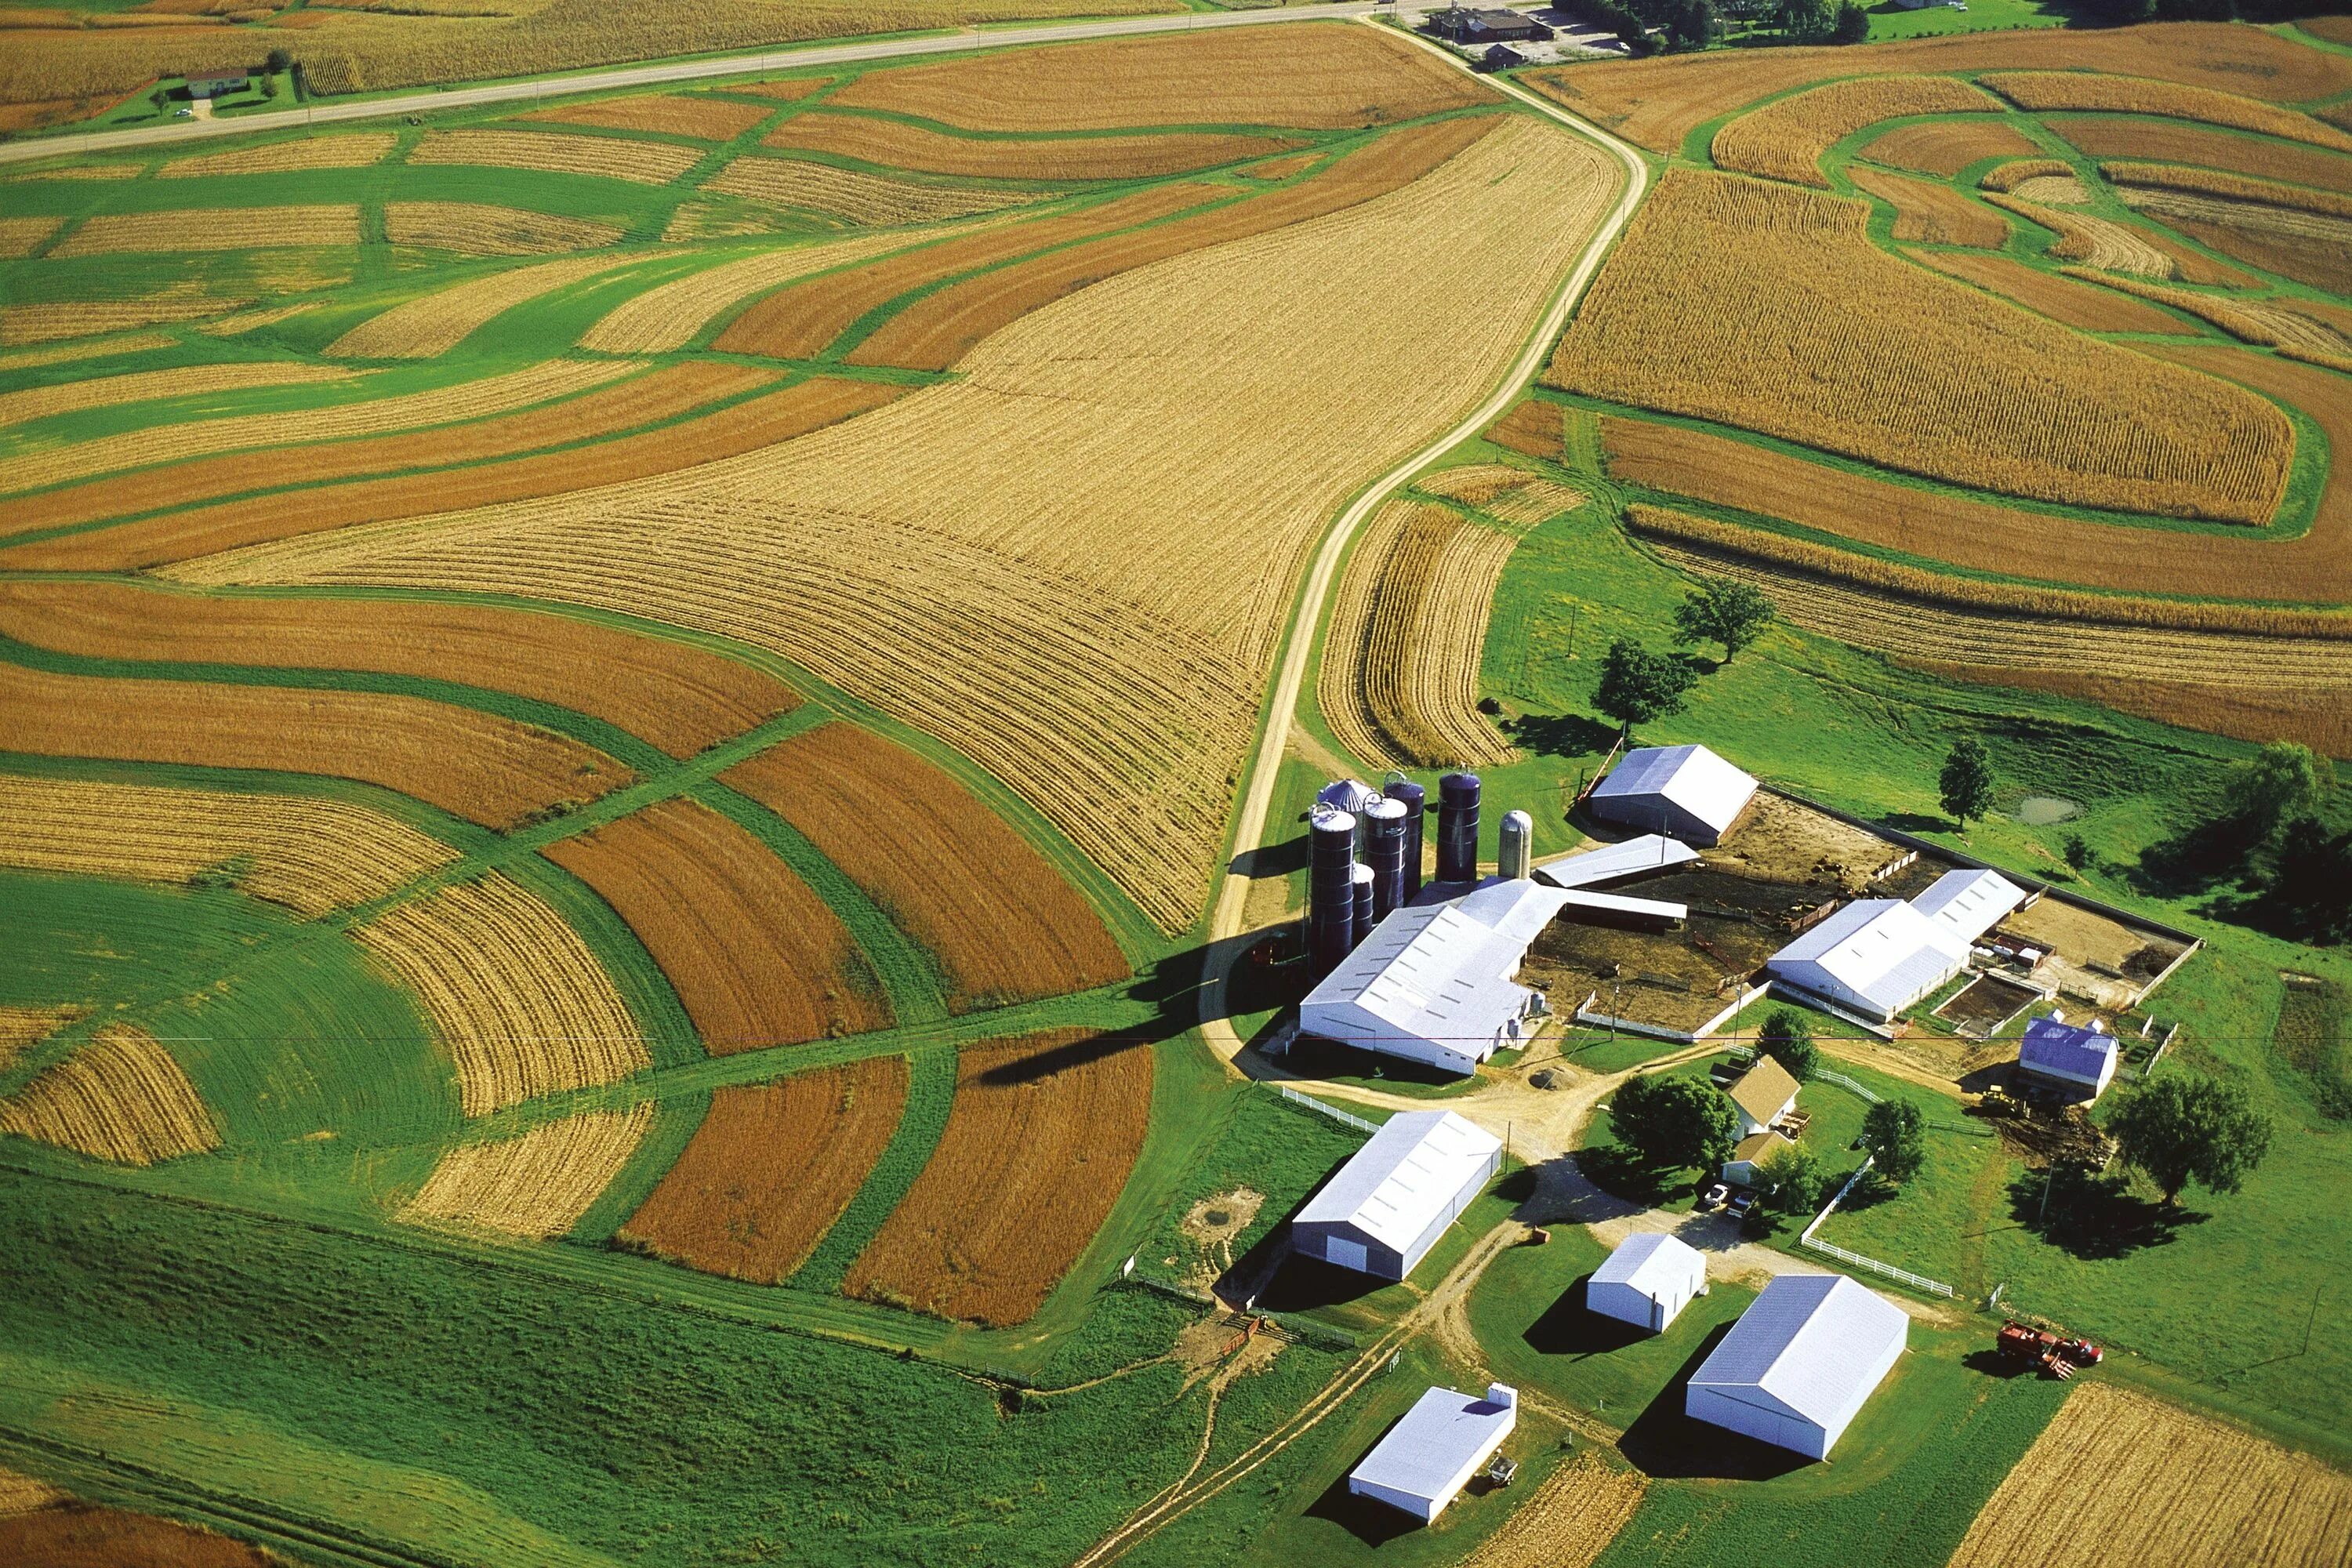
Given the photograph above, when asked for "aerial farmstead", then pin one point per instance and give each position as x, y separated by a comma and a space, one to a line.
1431, 1453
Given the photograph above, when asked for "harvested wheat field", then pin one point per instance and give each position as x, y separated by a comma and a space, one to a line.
22, 235
2008, 176
675, 695
2309, 247
120, 1098
538, 1185
2228, 187
142, 385
663, 113
1400, 670
748, 426
1513, 495
1049, 624
555, 152
49, 321
213, 228
1316, 78
769, 1170
2097, 242
433, 324
1947, 146
23, 1026
896, 144
1003, 924
2052, 190
479, 228
2044, 91
1569, 1520
514, 997
1937, 379
22, 1494
70, 1534
1037, 1148
252, 321
2172, 141
756, 957
2254, 321
1532, 428
1786, 138
1929, 212
473, 765
655, 399
350, 151
312, 856
1660, 101
2173, 1487
2065, 299
853, 193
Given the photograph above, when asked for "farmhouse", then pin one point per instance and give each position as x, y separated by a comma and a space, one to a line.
1750, 1155
1430, 1456
1433, 982
1385, 1208
1649, 1280
212, 83
2077, 1061
1763, 1094
1686, 791
1968, 903
1799, 1365
1874, 957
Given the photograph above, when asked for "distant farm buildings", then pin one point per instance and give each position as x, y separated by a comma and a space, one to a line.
212, 83
1393, 1200
1799, 1363
1647, 1281
1428, 1456
2077, 1061
1687, 791
1459, 25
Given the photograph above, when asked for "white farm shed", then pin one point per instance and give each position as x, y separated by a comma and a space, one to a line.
1649, 1280
1433, 982
1874, 957
2068, 1057
1385, 1208
1799, 1363
1968, 903
1685, 792
1430, 1456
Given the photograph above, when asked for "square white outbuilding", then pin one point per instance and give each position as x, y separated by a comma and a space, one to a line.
1386, 1208
1687, 791
2077, 1061
1649, 1280
1430, 1456
1799, 1363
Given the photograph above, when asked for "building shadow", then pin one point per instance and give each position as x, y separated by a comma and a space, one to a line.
1372, 1523
1272, 859
1315, 1057
1666, 1443
1570, 1328
1302, 1284
1041, 1065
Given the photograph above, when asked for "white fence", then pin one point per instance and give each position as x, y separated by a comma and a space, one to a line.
1916, 1281
1345, 1118
1844, 1082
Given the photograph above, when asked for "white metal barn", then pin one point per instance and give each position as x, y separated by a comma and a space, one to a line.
1649, 1280
1799, 1363
1430, 1456
1874, 957
1968, 903
2069, 1057
1687, 791
1433, 984
1385, 1208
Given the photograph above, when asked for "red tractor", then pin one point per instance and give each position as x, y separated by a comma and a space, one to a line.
2053, 1353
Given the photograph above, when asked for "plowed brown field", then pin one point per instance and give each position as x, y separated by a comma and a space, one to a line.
756, 958
1946, 147
1569, 1520
769, 1170
1532, 427
2076, 304
2174, 141
120, 1098
1037, 1148
83, 1535
895, 143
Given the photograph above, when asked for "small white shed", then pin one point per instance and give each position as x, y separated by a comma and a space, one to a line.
1430, 1456
1649, 1280
1799, 1363
1383, 1211
1687, 791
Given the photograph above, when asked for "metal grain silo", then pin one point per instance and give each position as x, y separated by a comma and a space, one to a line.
1517, 853
1387, 824
1416, 802
1457, 827
1331, 886
1365, 920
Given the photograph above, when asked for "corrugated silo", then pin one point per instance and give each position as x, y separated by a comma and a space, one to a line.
1331, 886
1386, 827
1517, 854
1457, 827
1416, 802
1365, 920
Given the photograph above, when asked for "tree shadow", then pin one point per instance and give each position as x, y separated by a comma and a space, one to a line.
1561, 734
2094, 1216
1622, 1173
2200, 858
1916, 821
1372, 1523
1663, 1443
1570, 1328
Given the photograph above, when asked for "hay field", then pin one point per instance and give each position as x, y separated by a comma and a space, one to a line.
771, 1169
1533, 428
2174, 1488
2096, 242
2173, 141
312, 856
48, 321
2065, 299
1659, 101
433, 324
680, 697
1928, 212
1985, 537
351, 150
2008, 176
120, 1098
2054, 190
1038, 1146
555, 152
1003, 924
1247, 387
1945, 147
23, 1026
2309, 247
142, 385
22, 1494
473, 765
1786, 138
937, 330
1513, 495
895, 143
756, 957
2046, 90
1935, 379
855, 194
66, 353
538, 1185
747, 426
663, 113
19, 236
513, 994
2255, 321
480, 228
1316, 79
2228, 187
1568, 1521
213, 228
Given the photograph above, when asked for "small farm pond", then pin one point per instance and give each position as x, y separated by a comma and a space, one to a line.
2041, 810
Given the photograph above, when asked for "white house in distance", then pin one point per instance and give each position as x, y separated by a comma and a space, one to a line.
1874, 957
2074, 1058
1968, 903
1799, 1363
1762, 1095
1687, 791
1430, 1456
1647, 1281
1433, 982
1385, 1208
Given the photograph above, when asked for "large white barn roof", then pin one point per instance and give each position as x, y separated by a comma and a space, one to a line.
1442, 971
1602, 863
1809, 1343
1650, 1261
1692, 777
1882, 949
1447, 1432
1396, 1186
1968, 903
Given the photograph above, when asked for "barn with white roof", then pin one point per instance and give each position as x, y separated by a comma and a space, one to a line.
2077, 1061
1427, 1458
1685, 792
1800, 1362
1968, 903
1388, 1206
1650, 1278
1874, 957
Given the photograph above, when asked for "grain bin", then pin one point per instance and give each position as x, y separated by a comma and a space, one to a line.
1364, 918
1331, 886
1351, 795
1416, 803
1517, 854
1387, 827
1457, 827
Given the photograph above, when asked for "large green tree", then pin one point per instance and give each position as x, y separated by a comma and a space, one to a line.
1638, 685
1723, 611
2186, 1127
1894, 1131
1793, 1183
1788, 1039
1673, 1121
1967, 782
2283, 780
